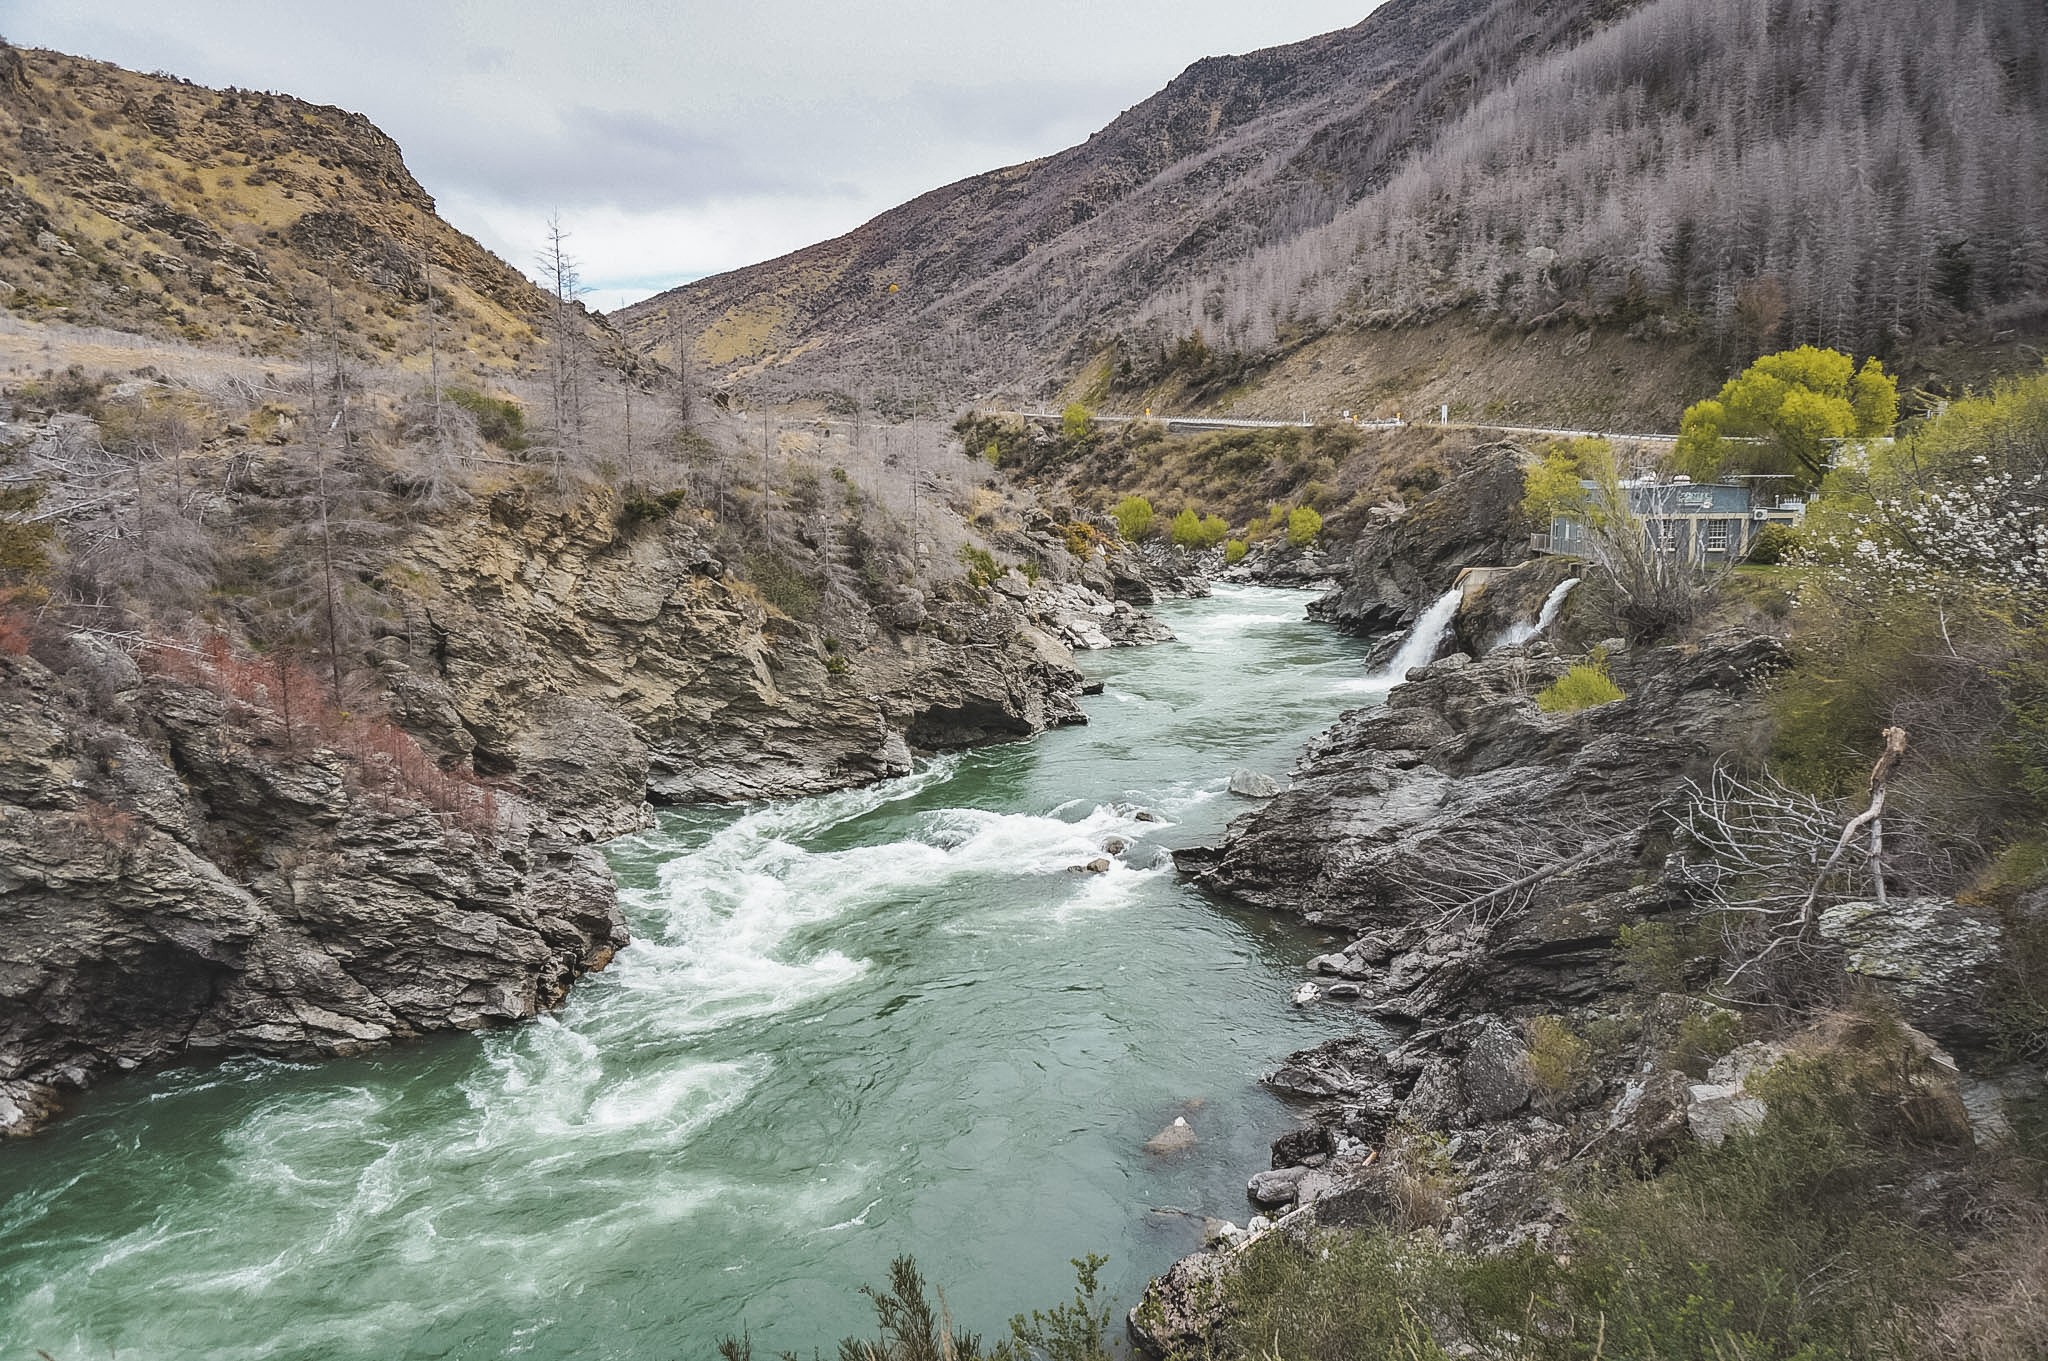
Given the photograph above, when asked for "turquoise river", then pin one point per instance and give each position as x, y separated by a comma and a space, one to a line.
882, 1021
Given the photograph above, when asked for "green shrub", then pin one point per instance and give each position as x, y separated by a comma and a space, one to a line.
1303, 524
783, 584
1703, 1039
638, 507
1656, 956
501, 420
1191, 529
1076, 422
1133, 518
1081, 537
982, 568
1234, 551
910, 1327
1558, 1056
1585, 686
1771, 544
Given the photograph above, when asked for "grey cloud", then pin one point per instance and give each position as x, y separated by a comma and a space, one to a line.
1022, 111
632, 161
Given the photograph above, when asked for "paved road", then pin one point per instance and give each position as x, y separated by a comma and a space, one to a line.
1223, 423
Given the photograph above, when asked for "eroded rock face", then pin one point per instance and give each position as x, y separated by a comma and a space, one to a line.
192, 889
1461, 786
542, 633
1405, 561
179, 876
1484, 856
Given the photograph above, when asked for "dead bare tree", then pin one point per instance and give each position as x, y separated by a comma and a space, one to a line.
1485, 880
561, 276
1770, 859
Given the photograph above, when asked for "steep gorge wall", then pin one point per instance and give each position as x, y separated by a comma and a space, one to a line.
188, 869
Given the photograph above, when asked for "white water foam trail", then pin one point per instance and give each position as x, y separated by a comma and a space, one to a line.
1420, 647
1251, 609
1552, 603
720, 934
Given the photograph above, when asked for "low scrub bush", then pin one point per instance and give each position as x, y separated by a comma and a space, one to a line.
1134, 517
1559, 1057
501, 420
1191, 529
982, 568
1702, 1039
783, 584
909, 1326
1658, 956
1585, 686
1303, 525
278, 700
641, 508
1081, 537
1772, 544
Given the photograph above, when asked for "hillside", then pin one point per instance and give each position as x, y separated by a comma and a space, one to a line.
146, 203
1703, 180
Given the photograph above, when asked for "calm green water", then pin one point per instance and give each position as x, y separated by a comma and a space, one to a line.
850, 1026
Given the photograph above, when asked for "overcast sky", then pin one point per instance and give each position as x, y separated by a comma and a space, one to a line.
682, 139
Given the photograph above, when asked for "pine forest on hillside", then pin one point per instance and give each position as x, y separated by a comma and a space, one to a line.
1783, 170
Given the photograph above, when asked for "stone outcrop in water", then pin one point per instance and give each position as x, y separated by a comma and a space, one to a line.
1394, 807
1480, 858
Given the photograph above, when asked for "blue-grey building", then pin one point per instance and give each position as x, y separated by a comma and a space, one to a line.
1705, 521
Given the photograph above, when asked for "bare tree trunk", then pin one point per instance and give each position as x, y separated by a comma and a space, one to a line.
327, 567
1871, 817
434, 366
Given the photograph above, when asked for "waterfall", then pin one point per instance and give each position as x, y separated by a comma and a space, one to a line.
1420, 647
1522, 633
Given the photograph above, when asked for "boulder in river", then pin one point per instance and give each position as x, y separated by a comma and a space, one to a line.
1177, 1137
1278, 1186
1250, 784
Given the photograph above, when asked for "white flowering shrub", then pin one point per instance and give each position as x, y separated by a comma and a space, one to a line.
1989, 535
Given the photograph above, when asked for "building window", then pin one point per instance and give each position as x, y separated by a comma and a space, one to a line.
1717, 536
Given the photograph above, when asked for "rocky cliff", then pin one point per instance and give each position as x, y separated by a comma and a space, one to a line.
1460, 787
1481, 861
597, 665
183, 874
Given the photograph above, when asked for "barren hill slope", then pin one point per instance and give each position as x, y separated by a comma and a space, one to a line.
145, 202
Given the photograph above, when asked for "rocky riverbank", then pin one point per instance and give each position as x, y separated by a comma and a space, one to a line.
1482, 865
200, 857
